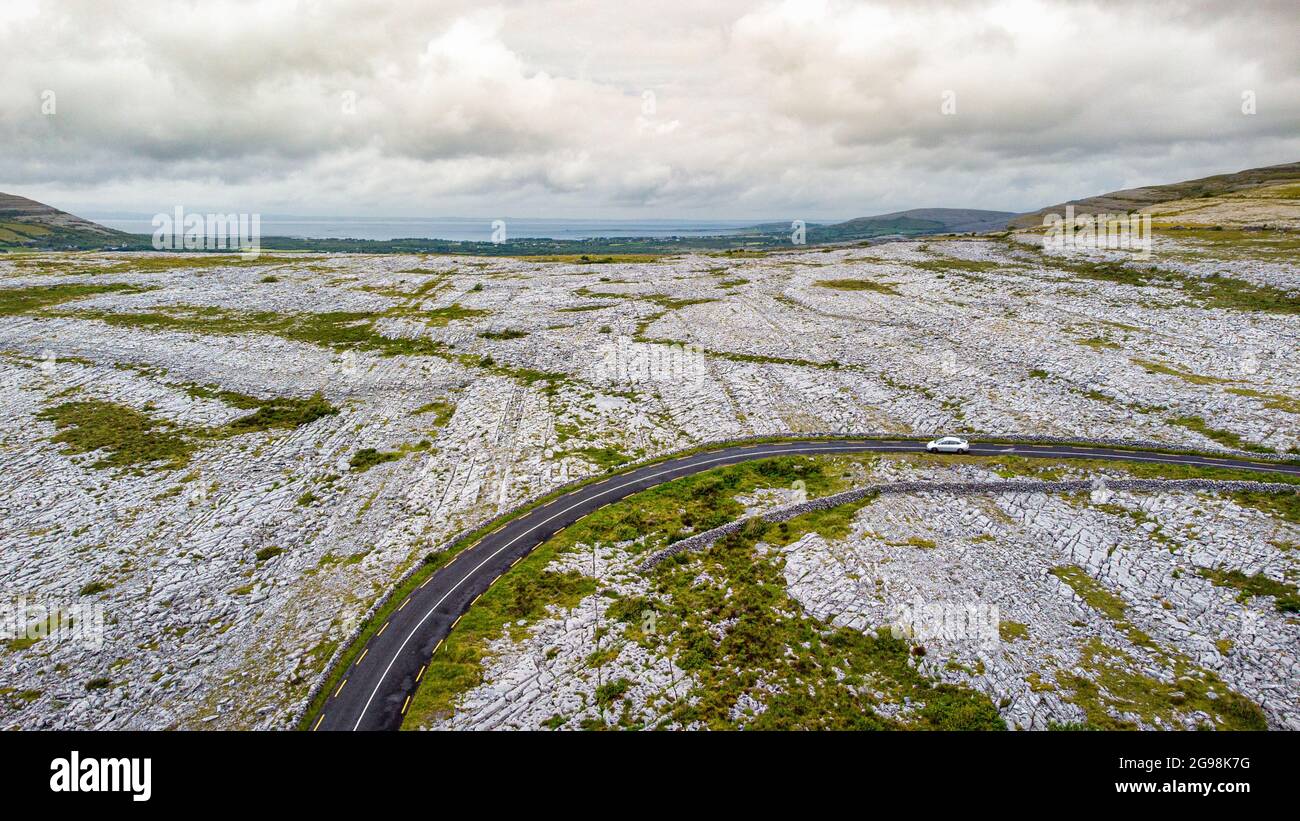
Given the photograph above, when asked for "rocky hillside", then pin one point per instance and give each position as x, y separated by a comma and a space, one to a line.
1265, 197
30, 224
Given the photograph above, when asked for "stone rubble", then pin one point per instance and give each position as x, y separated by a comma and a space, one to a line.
199, 632
974, 553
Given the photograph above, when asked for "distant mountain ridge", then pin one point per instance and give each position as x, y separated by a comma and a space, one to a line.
917, 221
25, 223
941, 220
1258, 197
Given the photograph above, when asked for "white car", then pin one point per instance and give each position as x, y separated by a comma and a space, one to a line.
948, 444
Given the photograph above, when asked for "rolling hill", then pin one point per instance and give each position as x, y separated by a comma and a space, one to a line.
916, 222
26, 223
927, 220
1256, 196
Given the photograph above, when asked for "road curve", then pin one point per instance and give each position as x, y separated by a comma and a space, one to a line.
376, 689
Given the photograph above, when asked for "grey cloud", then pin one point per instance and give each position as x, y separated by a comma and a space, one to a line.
764, 107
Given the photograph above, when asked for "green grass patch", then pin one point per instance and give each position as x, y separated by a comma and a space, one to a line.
94, 588
611, 691
606, 458
14, 301
163, 263
1012, 631
1097, 342
127, 437
455, 312
1272, 401
1286, 596
276, 412
1213, 291
578, 309
1285, 506
1236, 243
586, 292
283, 412
1186, 376
366, 458
672, 303
761, 359
858, 285
442, 411
131, 438
503, 335
1091, 591
1223, 437
1233, 294
1117, 687
340, 330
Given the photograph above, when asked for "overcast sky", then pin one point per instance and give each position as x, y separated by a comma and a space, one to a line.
695, 109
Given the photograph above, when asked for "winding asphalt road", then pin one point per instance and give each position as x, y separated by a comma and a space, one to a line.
375, 691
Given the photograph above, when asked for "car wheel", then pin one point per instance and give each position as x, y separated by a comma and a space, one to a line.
929, 450
964, 451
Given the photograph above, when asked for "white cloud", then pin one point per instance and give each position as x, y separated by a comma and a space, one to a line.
773, 110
